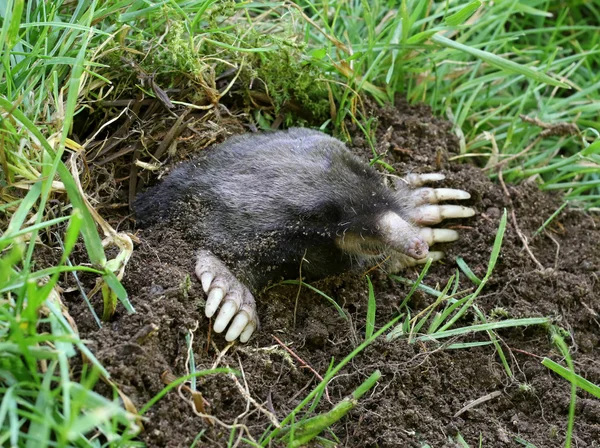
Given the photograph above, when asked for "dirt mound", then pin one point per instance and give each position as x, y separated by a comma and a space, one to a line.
422, 388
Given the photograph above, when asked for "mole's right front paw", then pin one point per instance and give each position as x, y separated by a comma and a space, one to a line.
223, 288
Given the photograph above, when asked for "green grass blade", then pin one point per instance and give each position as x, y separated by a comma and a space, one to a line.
485, 327
181, 380
339, 309
464, 267
327, 378
371, 309
115, 285
574, 378
499, 62
93, 243
564, 350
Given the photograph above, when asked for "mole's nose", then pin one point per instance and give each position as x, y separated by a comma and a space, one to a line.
417, 248
402, 236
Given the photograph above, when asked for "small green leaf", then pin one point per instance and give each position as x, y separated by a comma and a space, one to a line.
371, 309
18, 218
321, 293
72, 233
463, 14
497, 245
115, 285
319, 53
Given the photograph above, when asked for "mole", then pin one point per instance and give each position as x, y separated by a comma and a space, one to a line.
269, 206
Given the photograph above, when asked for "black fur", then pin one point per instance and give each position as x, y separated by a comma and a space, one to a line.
264, 201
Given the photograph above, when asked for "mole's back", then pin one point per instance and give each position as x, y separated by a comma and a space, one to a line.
264, 180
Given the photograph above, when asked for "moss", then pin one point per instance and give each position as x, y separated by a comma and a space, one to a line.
272, 67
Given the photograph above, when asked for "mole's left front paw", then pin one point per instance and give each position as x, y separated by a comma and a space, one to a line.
223, 288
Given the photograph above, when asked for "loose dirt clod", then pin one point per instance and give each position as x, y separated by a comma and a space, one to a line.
422, 389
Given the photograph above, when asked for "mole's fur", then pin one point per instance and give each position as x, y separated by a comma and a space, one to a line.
270, 201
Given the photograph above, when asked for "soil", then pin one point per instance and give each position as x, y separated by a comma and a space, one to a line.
423, 385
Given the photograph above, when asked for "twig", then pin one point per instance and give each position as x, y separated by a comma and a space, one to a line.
478, 402
197, 403
523, 352
556, 129
173, 133
246, 394
304, 364
557, 249
221, 353
378, 265
189, 350
550, 129
516, 226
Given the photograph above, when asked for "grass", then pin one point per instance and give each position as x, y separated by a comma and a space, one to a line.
485, 70
519, 80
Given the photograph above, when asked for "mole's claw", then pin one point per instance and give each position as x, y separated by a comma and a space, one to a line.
213, 301
248, 331
238, 309
433, 236
398, 262
416, 180
206, 278
424, 210
227, 312
432, 214
435, 195
237, 326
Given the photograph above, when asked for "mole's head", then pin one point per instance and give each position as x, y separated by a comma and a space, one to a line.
372, 219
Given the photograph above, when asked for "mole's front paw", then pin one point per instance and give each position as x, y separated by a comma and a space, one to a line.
426, 211
224, 289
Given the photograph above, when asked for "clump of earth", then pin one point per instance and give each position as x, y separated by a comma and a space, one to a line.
423, 386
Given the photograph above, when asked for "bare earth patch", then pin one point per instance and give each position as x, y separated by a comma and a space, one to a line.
421, 388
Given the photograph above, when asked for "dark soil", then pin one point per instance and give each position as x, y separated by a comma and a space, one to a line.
422, 386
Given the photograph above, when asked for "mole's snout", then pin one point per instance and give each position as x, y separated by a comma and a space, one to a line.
402, 236
417, 248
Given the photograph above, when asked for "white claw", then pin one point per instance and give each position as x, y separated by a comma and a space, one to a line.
444, 235
432, 236
432, 214
237, 326
451, 194
228, 310
435, 195
456, 211
248, 331
416, 180
206, 279
434, 255
213, 301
